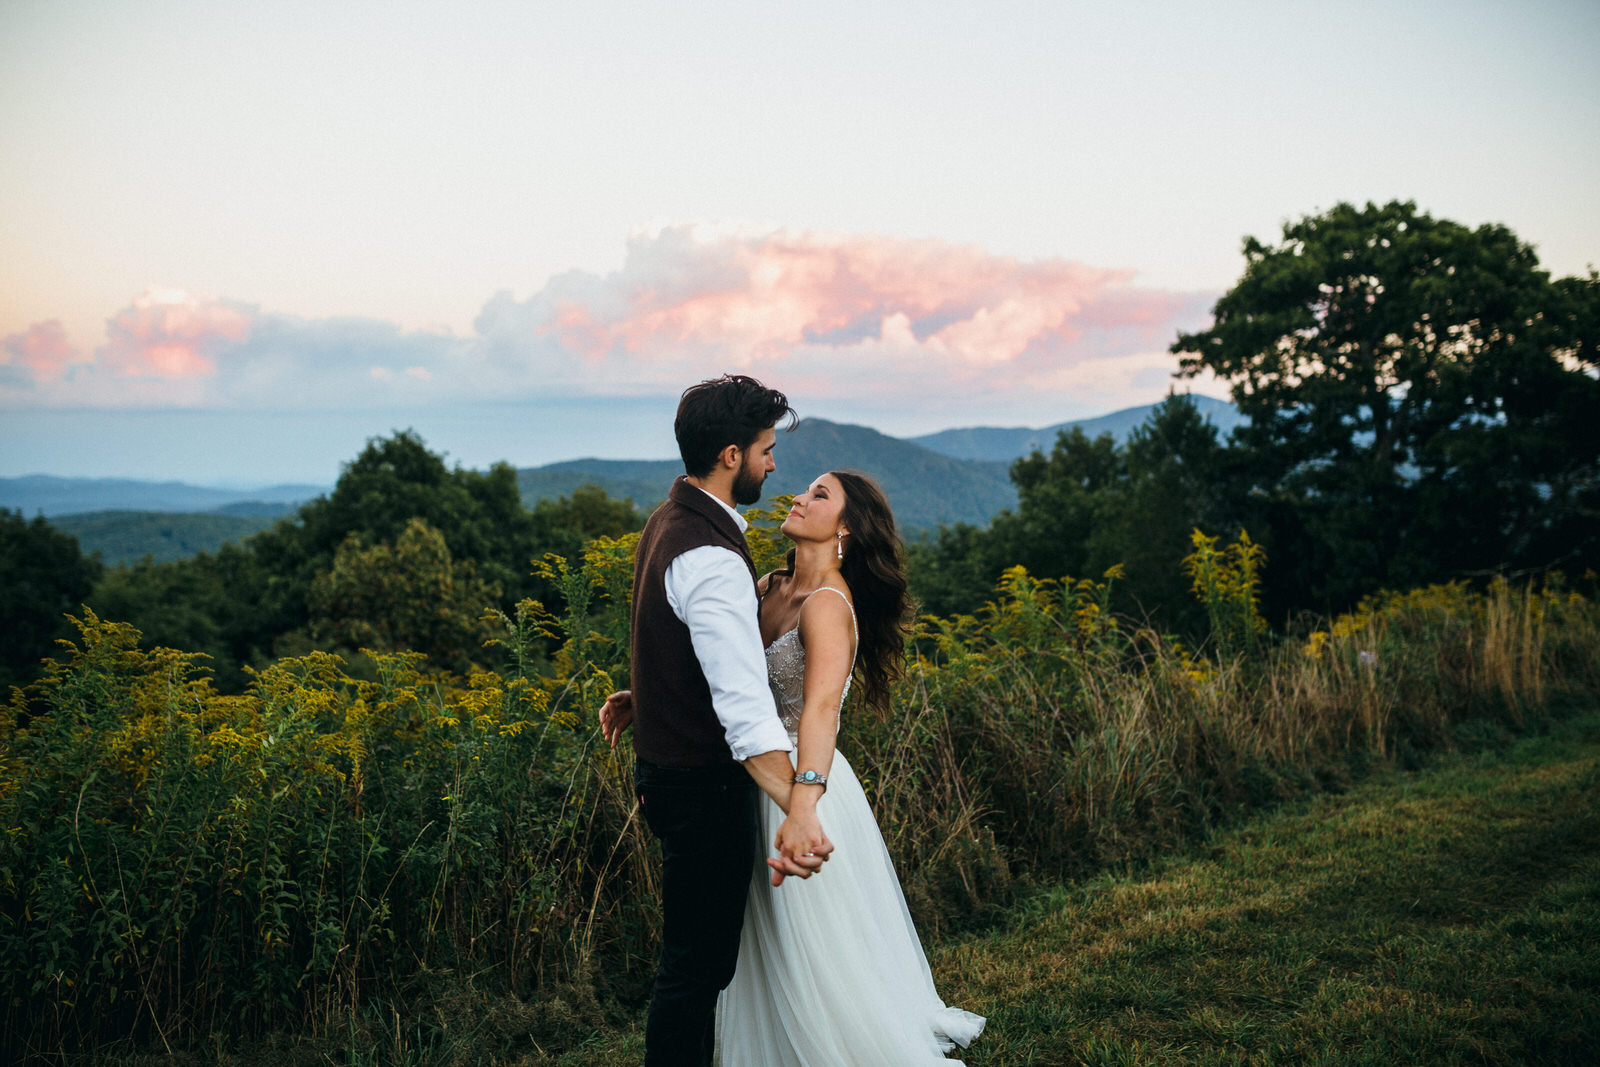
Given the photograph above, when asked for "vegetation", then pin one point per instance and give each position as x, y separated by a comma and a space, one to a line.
43, 574
336, 793
405, 554
1419, 397
1090, 505
1443, 918
323, 854
125, 537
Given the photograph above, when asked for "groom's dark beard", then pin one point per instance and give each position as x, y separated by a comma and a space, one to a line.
747, 486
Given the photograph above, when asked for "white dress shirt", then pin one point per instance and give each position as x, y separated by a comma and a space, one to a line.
710, 591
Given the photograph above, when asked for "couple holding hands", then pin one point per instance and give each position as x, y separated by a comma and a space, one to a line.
738, 682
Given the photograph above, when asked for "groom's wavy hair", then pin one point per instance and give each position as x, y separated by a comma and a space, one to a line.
874, 568
718, 412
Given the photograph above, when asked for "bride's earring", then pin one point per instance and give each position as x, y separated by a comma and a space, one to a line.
839, 543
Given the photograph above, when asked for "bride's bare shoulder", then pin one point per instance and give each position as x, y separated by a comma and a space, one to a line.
829, 606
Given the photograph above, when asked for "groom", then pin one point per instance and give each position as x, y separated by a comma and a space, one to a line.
705, 729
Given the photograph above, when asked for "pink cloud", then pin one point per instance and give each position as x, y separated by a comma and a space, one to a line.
43, 349
849, 320
171, 335
813, 306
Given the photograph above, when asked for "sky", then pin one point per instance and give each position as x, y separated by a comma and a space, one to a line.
239, 239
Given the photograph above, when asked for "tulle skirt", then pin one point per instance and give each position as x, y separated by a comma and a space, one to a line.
831, 972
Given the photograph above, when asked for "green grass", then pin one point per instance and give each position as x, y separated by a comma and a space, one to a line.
1443, 916
1448, 916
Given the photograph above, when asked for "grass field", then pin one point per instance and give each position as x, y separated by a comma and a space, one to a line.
1447, 916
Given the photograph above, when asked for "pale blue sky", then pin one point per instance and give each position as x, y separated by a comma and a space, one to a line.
400, 164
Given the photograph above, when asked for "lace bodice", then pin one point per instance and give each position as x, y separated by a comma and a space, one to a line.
786, 671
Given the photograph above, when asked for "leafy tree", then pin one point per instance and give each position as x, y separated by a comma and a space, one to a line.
1178, 477
1415, 391
953, 570
411, 595
291, 588
565, 525
43, 576
395, 480
1089, 505
1060, 498
208, 603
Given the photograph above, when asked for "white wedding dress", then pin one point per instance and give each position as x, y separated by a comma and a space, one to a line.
831, 972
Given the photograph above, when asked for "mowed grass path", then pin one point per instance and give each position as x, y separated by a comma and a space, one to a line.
1446, 916
1449, 916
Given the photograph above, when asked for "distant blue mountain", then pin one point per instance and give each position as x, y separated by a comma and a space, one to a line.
952, 476
37, 494
924, 487
1004, 444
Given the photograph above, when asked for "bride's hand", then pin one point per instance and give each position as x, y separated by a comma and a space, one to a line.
802, 847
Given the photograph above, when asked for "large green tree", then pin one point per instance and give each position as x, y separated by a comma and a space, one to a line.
1421, 400
1090, 504
43, 576
409, 595
397, 479
209, 603
359, 566
1178, 477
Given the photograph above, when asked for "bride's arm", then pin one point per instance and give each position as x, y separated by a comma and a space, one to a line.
827, 631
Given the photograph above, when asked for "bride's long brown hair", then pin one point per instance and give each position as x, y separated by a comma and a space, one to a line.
875, 571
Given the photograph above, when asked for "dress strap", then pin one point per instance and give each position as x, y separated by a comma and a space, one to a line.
855, 634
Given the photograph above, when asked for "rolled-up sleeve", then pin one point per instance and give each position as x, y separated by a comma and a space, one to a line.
709, 589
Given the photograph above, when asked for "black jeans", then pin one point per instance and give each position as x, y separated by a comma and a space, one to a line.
707, 821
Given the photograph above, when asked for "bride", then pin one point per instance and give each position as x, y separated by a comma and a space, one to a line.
831, 971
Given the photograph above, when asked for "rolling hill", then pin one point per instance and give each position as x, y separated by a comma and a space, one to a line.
128, 536
924, 487
42, 494
1004, 444
957, 475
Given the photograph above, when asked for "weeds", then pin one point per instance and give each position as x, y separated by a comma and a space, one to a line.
451, 867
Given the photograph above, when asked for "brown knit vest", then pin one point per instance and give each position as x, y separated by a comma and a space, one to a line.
674, 723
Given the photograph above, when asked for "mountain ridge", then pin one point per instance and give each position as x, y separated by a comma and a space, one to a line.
48, 494
958, 475
1003, 443
968, 491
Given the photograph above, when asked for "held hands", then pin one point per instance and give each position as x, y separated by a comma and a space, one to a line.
802, 846
616, 715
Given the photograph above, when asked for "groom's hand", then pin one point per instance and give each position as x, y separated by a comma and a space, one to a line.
800, 854
616, 715
786, 868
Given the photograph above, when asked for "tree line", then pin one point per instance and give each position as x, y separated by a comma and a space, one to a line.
406, 553
1423, 405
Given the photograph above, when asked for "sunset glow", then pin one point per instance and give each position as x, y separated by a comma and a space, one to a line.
916, 217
